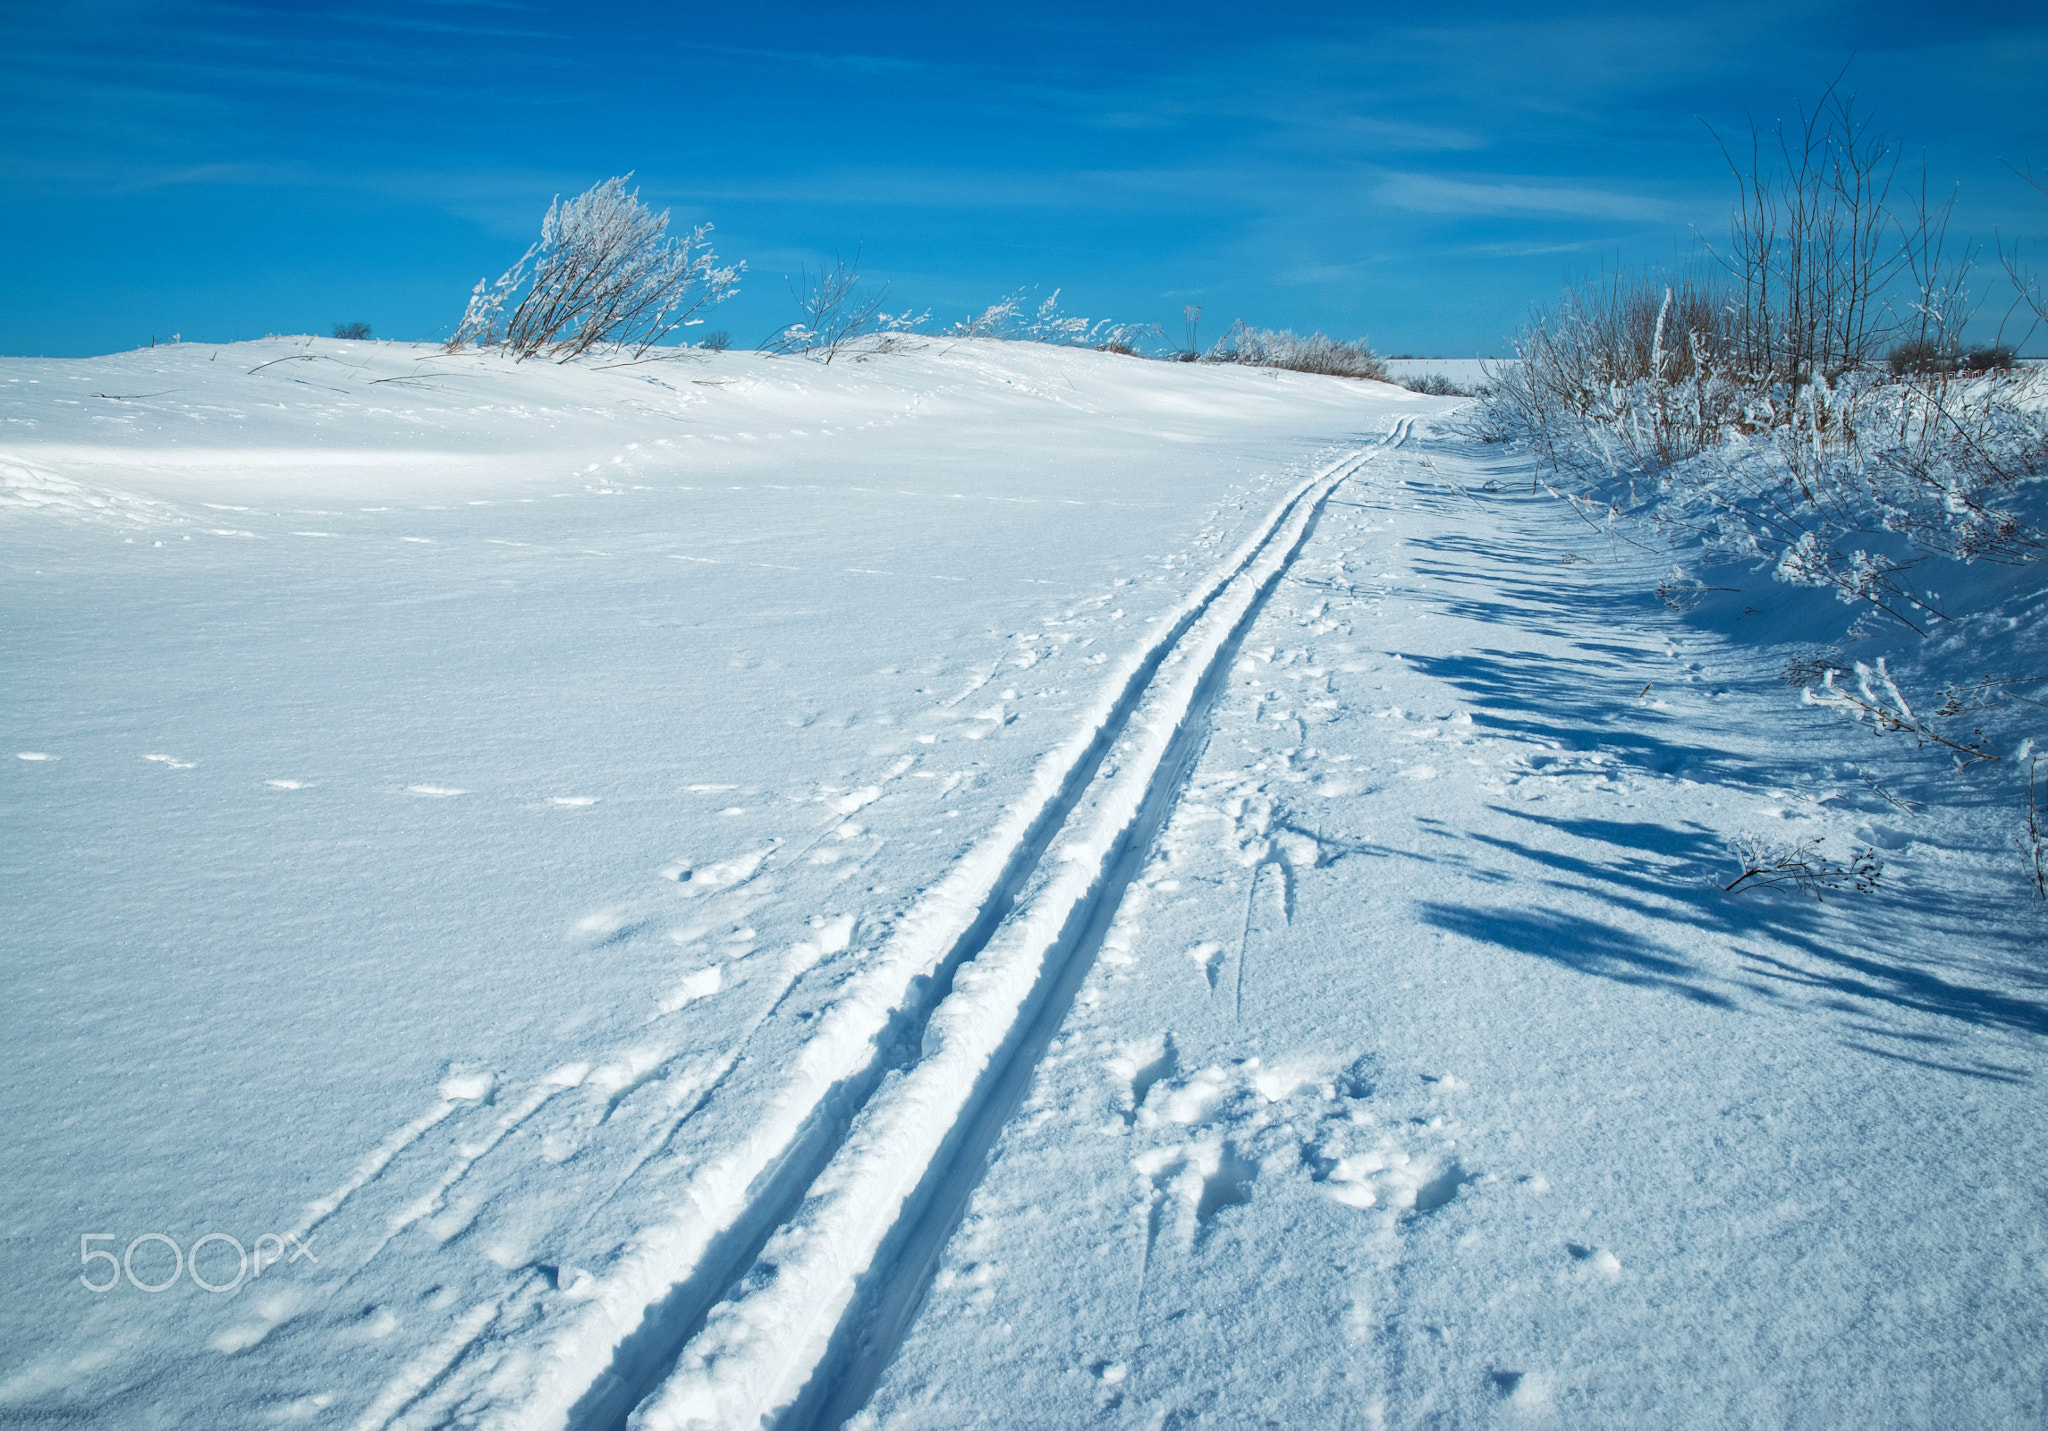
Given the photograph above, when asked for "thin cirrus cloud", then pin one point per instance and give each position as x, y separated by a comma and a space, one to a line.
1437, 194
1369, 133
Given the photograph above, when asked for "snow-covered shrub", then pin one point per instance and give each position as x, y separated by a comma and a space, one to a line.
1745, 412
1017, 319
604, 274
1643, 364
835, 316
1822, 275
1433, 385
1851, 484
1284, 348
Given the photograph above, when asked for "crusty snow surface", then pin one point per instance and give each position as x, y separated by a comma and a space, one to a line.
994, 885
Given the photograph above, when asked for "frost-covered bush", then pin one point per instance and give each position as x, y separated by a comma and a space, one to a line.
604, 275
835, 316
1267, 348
1433, 385
1017, 319
1617, 354
1854, 485
1921, 355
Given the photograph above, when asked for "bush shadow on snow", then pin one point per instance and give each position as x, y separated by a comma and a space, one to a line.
1936, 957
1643, 871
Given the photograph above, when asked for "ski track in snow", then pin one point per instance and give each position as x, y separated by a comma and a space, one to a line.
818, 1321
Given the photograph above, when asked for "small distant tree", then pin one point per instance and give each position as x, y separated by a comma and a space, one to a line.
354, 331
831, 310
604, 275
837, 317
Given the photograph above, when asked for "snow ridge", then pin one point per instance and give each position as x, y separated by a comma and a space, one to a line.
768, 1352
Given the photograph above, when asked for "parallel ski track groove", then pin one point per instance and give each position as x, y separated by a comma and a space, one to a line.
868, 1327
869, 1334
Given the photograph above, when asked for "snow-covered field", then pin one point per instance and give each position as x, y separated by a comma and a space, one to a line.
995, 885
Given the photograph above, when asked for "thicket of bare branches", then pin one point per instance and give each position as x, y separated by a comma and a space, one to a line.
1814, 247
835, 316
1267, 348
2030, 298
604, 275
1016, 319
1780, 404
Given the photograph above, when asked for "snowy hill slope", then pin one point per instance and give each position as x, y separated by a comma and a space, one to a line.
708, 891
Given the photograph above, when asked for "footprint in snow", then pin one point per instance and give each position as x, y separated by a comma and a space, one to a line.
723, 874
1188, 1185
1407, 1166
607, 926
1593, 1261
1138, 1066
1214, 1131
699, 984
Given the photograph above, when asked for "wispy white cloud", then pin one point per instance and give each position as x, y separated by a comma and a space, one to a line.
1440, 194
1376, 133
1533, 250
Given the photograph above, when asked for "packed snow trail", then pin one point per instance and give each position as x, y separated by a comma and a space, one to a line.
765, 1346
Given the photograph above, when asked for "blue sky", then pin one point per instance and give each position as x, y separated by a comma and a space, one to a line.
1416, 173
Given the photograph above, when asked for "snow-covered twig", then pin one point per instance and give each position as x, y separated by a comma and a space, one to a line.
2034, 836
1800, 865
1878, 699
